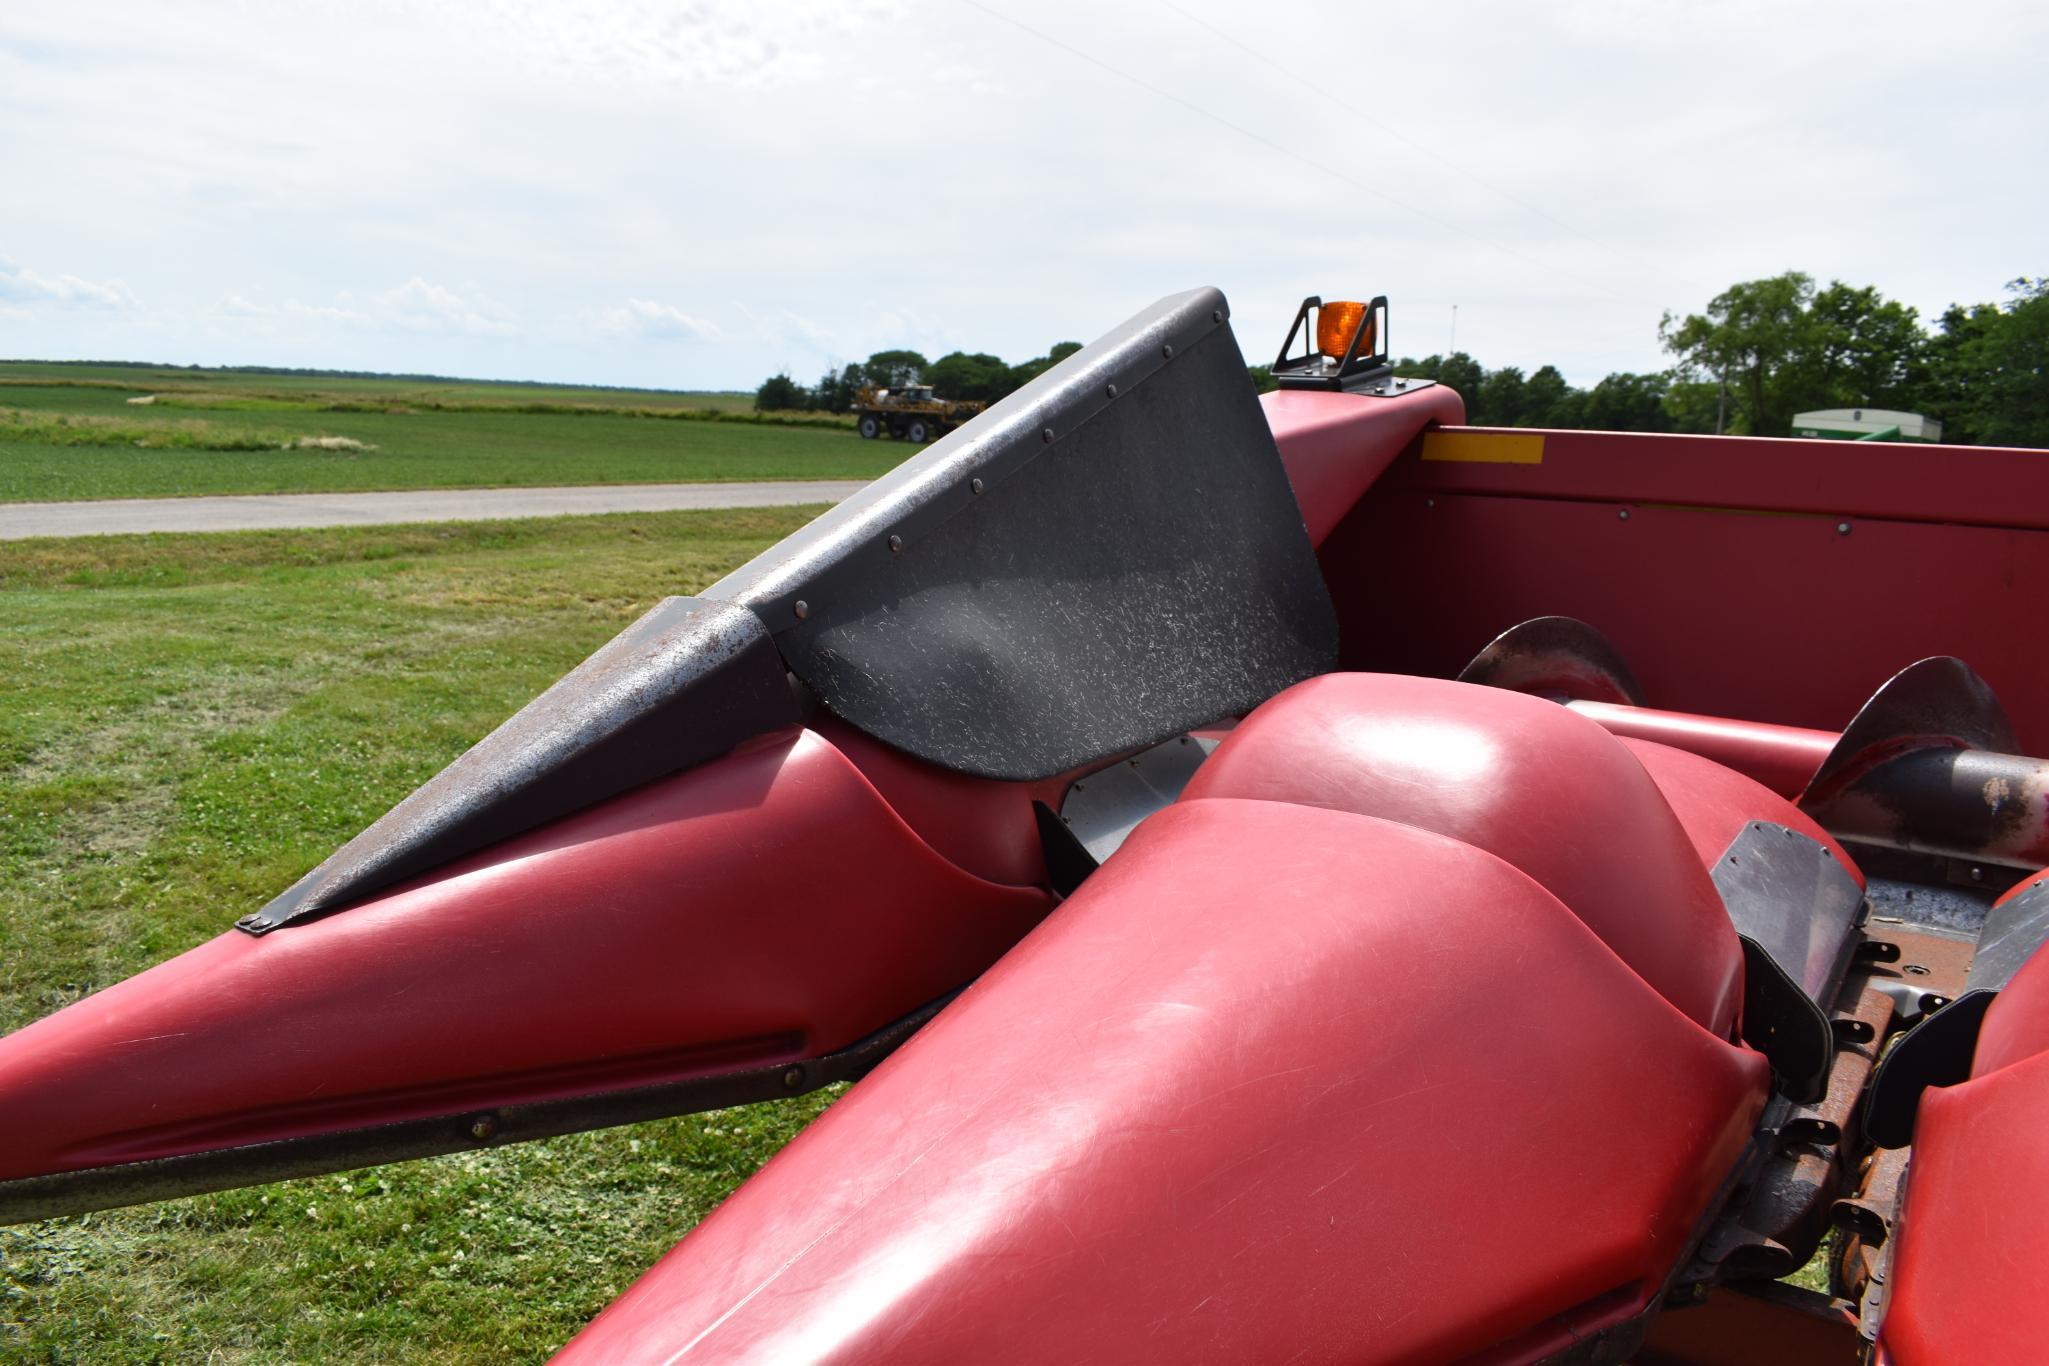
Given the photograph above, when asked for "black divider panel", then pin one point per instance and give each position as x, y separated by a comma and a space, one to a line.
1108, 557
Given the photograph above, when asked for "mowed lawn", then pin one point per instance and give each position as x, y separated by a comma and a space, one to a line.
188, 723
480, 437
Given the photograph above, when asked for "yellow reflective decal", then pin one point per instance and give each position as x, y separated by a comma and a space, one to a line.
1483, 448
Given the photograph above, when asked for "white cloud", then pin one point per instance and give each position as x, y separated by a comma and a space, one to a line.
665, 43
622, 173
418, 306
415, 306
647, 318
20, 285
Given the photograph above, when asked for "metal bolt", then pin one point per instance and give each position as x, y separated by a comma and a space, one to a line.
1977, 875
896, 545
1167, 352
802, 609
1842, 528
974, 486
1623, 514
1047, 436
1216, 315
793, 1078
483, 1128
1913, 970
1110, 389
1429, 502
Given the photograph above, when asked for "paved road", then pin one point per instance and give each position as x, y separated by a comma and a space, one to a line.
268, 511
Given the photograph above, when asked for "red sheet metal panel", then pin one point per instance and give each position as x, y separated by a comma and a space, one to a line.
2017, 1024
1525, 779
1277, 1083
1335, 445
1776, 618
1980, 485
1974, 1231
764, 907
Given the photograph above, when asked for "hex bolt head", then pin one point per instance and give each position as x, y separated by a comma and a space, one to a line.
802, 609
793, 1078
483, 1128
896, 545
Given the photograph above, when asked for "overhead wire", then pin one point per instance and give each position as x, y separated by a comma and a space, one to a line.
1381, 125
1295, 155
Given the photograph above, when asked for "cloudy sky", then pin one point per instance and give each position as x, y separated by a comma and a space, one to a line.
691, 194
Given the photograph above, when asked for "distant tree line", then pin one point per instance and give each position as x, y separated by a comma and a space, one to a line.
1764, 350
957, 374
1760, 352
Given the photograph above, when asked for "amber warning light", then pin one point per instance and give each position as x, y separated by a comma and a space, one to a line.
1344, 345
1337, 323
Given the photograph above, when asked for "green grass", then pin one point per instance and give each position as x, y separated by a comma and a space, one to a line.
142, 378
186, 723
440, 435
23, 426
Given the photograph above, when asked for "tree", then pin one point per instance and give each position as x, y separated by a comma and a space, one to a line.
960, 375
1547, 399
780, 393
1021, 375
1857, 351
834, 392
1500, 400
1748, 335
1461, 372
1627, 403
1785, 347
893, 369
1988, 369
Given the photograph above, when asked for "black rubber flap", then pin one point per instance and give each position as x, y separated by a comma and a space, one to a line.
1935, 1052
1794, 907
685, 683
1106, 558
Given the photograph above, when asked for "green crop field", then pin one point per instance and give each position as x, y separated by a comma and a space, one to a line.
83, 432
189, 722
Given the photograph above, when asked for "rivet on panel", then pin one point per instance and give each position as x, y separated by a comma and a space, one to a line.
1110, 389
974, 486
802, 609
1842, 528
1216, 315
896, 545
483, 1128
1047, 436
1623, 514
1167, 351
793, 1078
